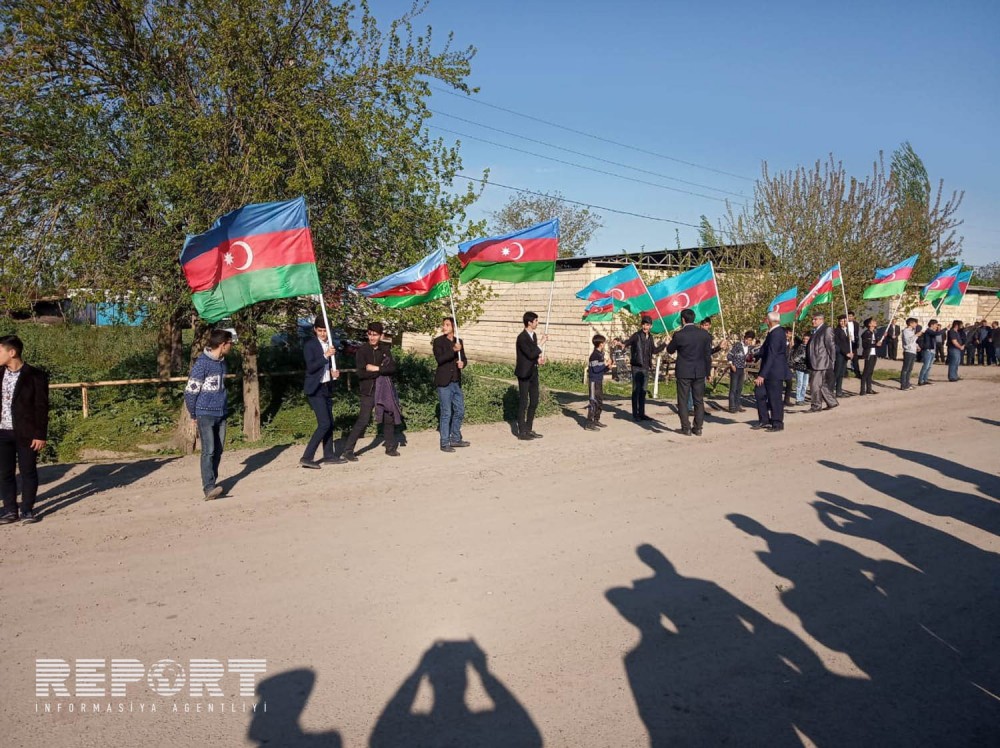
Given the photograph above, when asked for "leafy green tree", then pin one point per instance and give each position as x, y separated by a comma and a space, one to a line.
129, 124
576, 225
706, 234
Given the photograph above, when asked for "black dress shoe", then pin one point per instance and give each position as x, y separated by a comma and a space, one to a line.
776, 427
392, 452
685, 432
534, 435
349, 456
461, 443
696, 432
312, 464
524, 437
332, 461
447, 448
760, 426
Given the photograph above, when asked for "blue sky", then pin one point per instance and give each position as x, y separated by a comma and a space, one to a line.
725, 85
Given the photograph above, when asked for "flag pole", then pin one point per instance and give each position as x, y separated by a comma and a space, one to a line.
454, 317
329, 332
552, 287
650, 297
722, 317
843, 293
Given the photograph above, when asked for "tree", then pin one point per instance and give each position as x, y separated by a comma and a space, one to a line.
576, 225
706, 234
128, 124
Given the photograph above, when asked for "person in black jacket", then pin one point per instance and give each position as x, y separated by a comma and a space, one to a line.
854, 331
693, 347
845, 352
641, 352
24, 424
318, 388
870, 344
529, 358
373, 360
773, 373
450, 356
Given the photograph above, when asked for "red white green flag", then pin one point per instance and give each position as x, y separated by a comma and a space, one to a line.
941, 284
890, 281
821, 292
694, 289
601, 310
425, 281
518, 257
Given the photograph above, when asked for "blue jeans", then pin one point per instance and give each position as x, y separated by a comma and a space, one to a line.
212, 432
927, 360
801, 385
452, 412
954, 361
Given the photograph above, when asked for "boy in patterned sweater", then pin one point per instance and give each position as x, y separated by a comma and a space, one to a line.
205, 398
597, 367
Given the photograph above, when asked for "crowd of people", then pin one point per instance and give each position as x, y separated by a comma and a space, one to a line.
789, 371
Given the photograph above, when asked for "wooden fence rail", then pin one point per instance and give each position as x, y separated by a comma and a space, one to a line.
84, 387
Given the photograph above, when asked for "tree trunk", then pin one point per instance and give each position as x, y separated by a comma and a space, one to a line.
251, 388
186, 436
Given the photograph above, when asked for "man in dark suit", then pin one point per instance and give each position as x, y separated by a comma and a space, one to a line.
24, 424
774, 371
892, 333
854, 332
318, 388
693, 347
373, 360
845, 352
529, 358
642, 348
450, 356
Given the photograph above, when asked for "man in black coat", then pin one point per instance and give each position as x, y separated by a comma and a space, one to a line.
774, 370
529, 358
373, 360
24, 424
854, 332
450, 356
892, 332
642, 348
693, 347
321, 371
845, 352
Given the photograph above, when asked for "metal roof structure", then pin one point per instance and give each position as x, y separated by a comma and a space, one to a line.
725, 257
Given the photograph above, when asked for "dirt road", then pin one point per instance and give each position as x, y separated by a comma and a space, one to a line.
834, 584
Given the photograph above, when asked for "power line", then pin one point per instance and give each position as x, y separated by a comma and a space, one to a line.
578, 166
589, 135
587, 205
588, 155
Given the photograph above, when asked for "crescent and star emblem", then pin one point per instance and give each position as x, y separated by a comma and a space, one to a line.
615, 291
230, 260
677, 300
520, 251
889, 277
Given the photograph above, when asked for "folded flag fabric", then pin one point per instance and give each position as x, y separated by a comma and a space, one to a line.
821, 292
261, 251
957, 291
518, 257
601, 310
624, 285
694, 289
891, 281
425, 281
940, 284
784, 304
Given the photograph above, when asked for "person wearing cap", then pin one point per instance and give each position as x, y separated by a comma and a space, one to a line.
641, 351
373, 361
318, 388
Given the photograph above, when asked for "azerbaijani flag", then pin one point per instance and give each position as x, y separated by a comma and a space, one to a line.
601, 310
693, 289
784, 304
941, 284
261, 251
425, 281
520, 256
957, 291
623, 285
891, 281
821, 292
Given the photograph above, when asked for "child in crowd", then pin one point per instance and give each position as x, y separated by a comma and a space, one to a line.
597, 367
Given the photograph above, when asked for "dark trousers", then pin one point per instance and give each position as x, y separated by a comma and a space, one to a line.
991, 354
981, 354
322, 405
856, 365
695, 388
770, 405
13, 455
736, 380
212, 434
364, 418
527, 403
839, 372
939, 354
638, 393
904, 375
596, 404
891, 348
866, 377
970, 355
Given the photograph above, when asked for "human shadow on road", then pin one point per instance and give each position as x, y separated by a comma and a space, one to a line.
450, 723
987, 421
892, 620
711, 670
252, 463
927, 497
988, 483
285, 696
96, 478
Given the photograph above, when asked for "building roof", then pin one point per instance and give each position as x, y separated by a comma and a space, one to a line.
725, 257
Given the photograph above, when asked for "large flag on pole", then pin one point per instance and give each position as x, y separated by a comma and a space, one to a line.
623, 284
784, 304
890, 281
957, 291
520, 256
424, 281
258, 252
693, 289
941, 284
821, 292
601, 310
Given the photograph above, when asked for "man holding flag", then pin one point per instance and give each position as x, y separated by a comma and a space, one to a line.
641, 351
